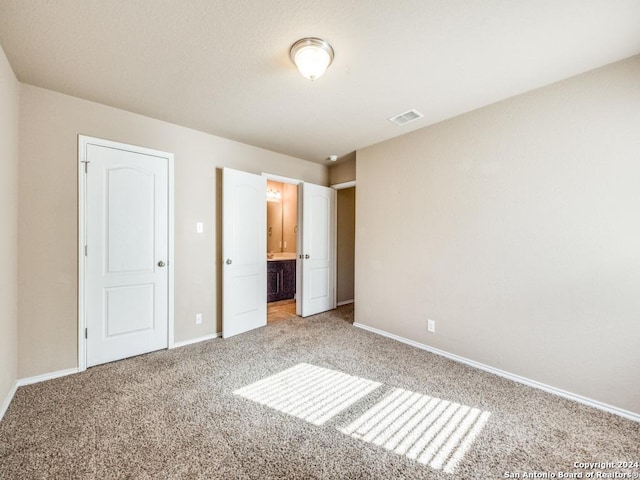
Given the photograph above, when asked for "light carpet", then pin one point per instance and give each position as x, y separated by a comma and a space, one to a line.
309, 398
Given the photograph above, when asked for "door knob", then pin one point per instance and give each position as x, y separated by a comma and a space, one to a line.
229, 262
161, 263
306, 256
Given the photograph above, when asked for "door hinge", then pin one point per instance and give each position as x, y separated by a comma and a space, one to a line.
85, 250
86, 333
85, 166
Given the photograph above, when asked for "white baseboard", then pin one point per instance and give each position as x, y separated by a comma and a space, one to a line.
7, 400
511, 376
47, 376
62, 373
191, 341
346, 302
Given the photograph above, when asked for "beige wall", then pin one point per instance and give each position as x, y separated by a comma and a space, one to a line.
289, 217
274, 219
344, 171
516, 228
50, 123
282, 218
346, 243
9, 105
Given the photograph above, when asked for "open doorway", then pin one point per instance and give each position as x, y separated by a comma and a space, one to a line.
282, 232
346, 240
244, 250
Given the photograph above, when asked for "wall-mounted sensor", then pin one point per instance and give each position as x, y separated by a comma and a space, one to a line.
332, 158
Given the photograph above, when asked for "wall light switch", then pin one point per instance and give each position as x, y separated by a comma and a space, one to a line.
199, 227
198, 318
431, 326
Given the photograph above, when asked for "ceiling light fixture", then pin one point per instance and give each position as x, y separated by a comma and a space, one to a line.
273, 195
312, 56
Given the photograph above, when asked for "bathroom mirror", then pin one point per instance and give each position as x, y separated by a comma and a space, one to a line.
274, 226
282, 213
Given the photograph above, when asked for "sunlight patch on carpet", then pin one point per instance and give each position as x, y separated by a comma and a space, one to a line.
429, 430
311, 393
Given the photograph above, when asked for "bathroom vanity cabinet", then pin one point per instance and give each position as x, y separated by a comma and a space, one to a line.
281, 280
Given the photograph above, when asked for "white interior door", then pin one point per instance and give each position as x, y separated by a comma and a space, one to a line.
126, 287
244, 252
317, 249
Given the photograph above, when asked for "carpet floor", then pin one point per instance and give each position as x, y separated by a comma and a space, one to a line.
309, 398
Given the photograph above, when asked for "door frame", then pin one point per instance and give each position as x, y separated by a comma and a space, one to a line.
337, 187
83, 142
343, 185
333, 247
296, 182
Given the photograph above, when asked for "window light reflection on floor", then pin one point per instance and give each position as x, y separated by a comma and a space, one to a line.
429, 430
432, 431
308, 392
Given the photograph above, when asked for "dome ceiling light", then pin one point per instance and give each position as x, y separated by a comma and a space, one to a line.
312, 56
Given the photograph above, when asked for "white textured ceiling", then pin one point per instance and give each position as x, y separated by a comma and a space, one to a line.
223, 66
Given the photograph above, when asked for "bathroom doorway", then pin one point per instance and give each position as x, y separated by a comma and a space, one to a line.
282, 238
244, 249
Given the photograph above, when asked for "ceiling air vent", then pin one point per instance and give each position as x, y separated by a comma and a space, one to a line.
406, 117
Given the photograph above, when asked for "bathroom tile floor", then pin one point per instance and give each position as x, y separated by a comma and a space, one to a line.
281, 310
285, 309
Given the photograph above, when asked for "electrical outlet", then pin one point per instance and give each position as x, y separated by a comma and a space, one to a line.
431, 326
198, 318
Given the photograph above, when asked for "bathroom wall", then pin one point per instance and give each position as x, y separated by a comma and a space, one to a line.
274, 218
289, 217
282, 218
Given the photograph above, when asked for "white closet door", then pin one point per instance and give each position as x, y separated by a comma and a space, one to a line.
126, 263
